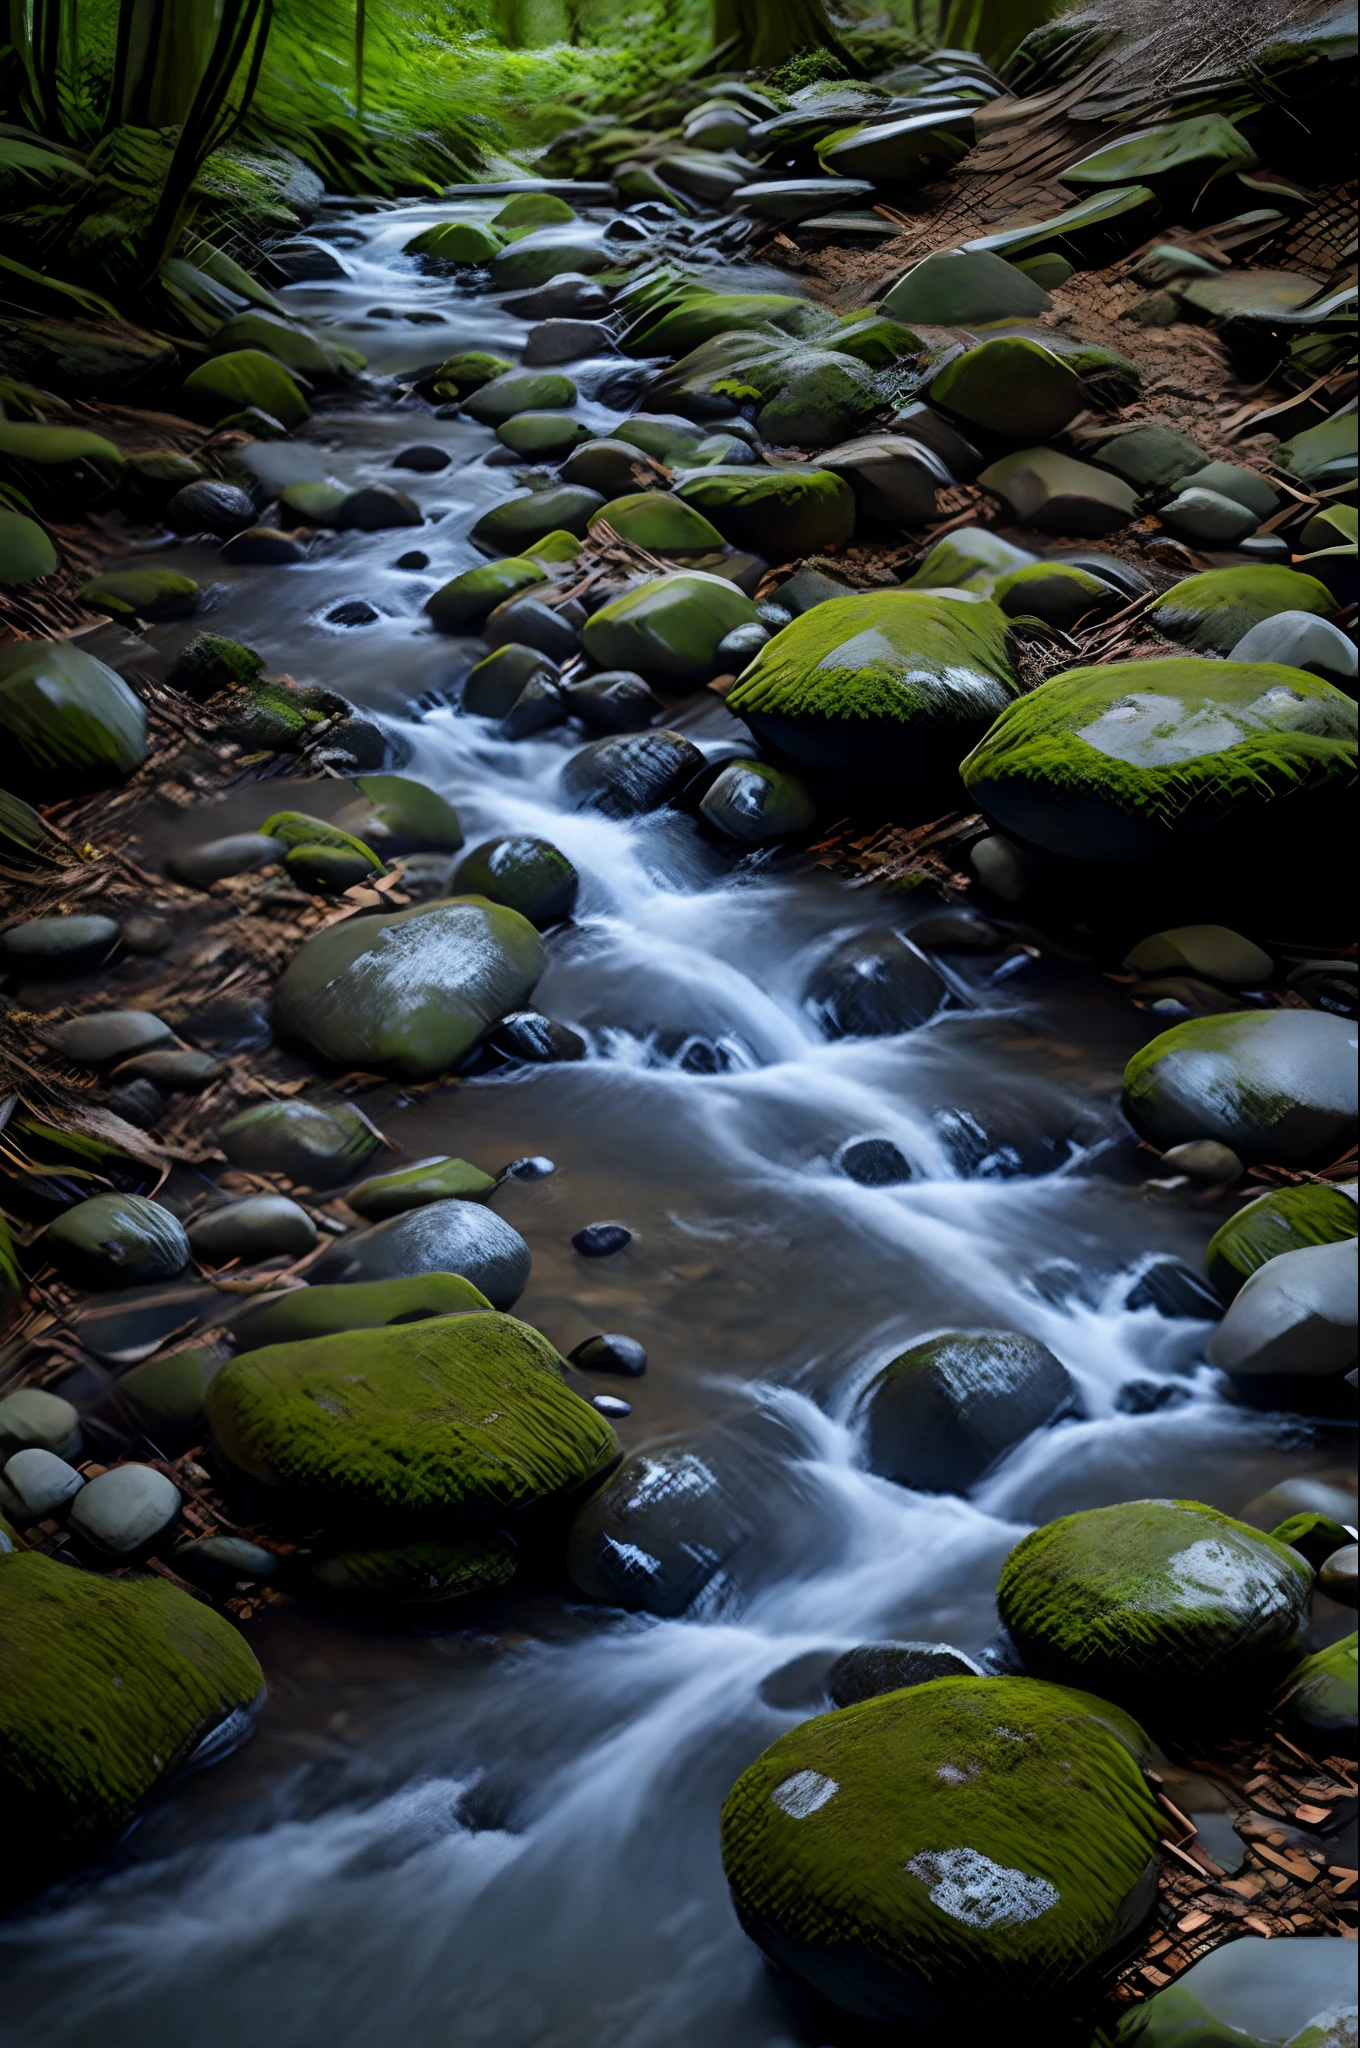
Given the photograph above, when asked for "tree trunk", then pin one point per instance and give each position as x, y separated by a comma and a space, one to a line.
769, 32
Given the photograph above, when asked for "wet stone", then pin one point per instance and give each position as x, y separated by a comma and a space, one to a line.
125, 1509
51, 948
264, 547
355, 611
173, 1069
429, 1180
33, 1419
494, 686
874, 1163
942, 1413
529, 1035
533, 1168
458, 1237
633, 773
240, 853
616, 1354
204, 507
139, 1103
525, 622
611, 1407
601, 1240
260, 1227
564, 341
376, 507
873, 986
414, 559
617, 699
957, 931
37, 1484
422, 458
873, 1668
539, 704
103, 1037
222, 1562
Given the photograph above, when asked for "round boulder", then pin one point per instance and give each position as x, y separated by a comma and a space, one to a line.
874, 1668
670, 627
525, 874
260, 1227
460, 1237
939, 1415
1270, 1084
873, 986
117, 1241
319, 1145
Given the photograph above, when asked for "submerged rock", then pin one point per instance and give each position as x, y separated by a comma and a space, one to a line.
462, 1419
73, 724
113, 1684
965, 1850
875, 1668
873, 986
942, 1413
459, 1237
418, 1581
1136, 759
895, 685
319, 1145
1271, 1084
1158, 1601
414, 990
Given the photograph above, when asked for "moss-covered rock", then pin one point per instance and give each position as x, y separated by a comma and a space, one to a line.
71, 723
696, 315
418, 1581
890, 683
456, 241
429, 1180
232, 383
613, 467
117, 1241
1057, 495
111, 1686
60, 471
1324, 455
25, 550
1272, 1084
23, 835
970, 559
968, 1848
155, 594
459, 1419
546, 253
782, 513
1211, 612
463, 602
659, 522
1160, 1604
1315, 1536
458, 375
1086, 232
1319, 1701
210, 663
1012, 386
942, 1412
669, 627
319, 1145
306, 1312
520, 391
912, 150
319, 855
956, 286
1149, 454
542, 436
395, 815
533, 210
813, 397
872, 339
297, 348
311, 504
529, 875
1175, 156
1134, 759
1283, 1220
533, 516
413, 991
1059, 593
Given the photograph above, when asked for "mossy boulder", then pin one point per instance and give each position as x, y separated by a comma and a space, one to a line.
910, 151
546, 253
533, 210
463, 602
1272, 1084
532, 516
1149, 454
25, 550
874, 340
311, 504
418, 1581
1059, 593
117, 1241
395, 815
429, 1180
61, 472
1158, 1604
1137, 759
962, 1850
320, 854
456, 241
670, 627
528, 875
1174, 157
611, 466
956, 286
892, 684
1283, 1220
942, 1412
1057, 495
812, 397
695, 314
542, 436
456, 1420
111, 1686
71, 724
297, 348
413, 991
781, 513
305, 1312
1324, 455
319, 1145
1011, 386
663, 524
1318, 1705
1211, 612
156, 594
211, 663
969, 559
245, 377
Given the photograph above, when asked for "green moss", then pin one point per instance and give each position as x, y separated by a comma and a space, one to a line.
310, 504
963, 1847
466, 599
458, 375
1314, 1536
555, 547
22, 832
533, 210
402, 816
168, 1391
669, 627
420, 1575
434, 1180
1201, 149
457, 241
696, 315
813, 397
156, 594
1272, 1084
1212, 611
210, 663
1284, 1220
232, 383
520, 391
1079, 231
875, 340
954, 286
72, 722
972, 553
110, 1685
1012, 386
1155, 1602
304, 1312
659, 522
782, 513
1319, 1700
317, 1144
527, 522
297, 830
1123, 761
462, 1418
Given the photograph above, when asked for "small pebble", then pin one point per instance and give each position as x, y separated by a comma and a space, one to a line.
412, 559
601, 1240
147, 935
537, 1168
1147, 1397
1204, 1159
622, 1355
875, 1163
423, 458
355, 611
612, 1406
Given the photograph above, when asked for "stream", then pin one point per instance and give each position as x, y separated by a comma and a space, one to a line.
509, 1835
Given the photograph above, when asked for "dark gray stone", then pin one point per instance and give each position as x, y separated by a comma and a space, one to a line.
240, 853
542, 1041
205, 507
601, 1240
632, 773
423, 458
53, 948
539, 704
564, 341
873, 986
377, 506
117, 1241
570, 295
264, 547
874, 1163
442, 1237
494, 686
317, 1145
104, 1036
939, 1415
260, 1227
526, 622
616, 698
873, 1668
529, 875
222, 1562
616, 1354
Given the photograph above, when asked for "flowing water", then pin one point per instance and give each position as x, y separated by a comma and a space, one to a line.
509, 1836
